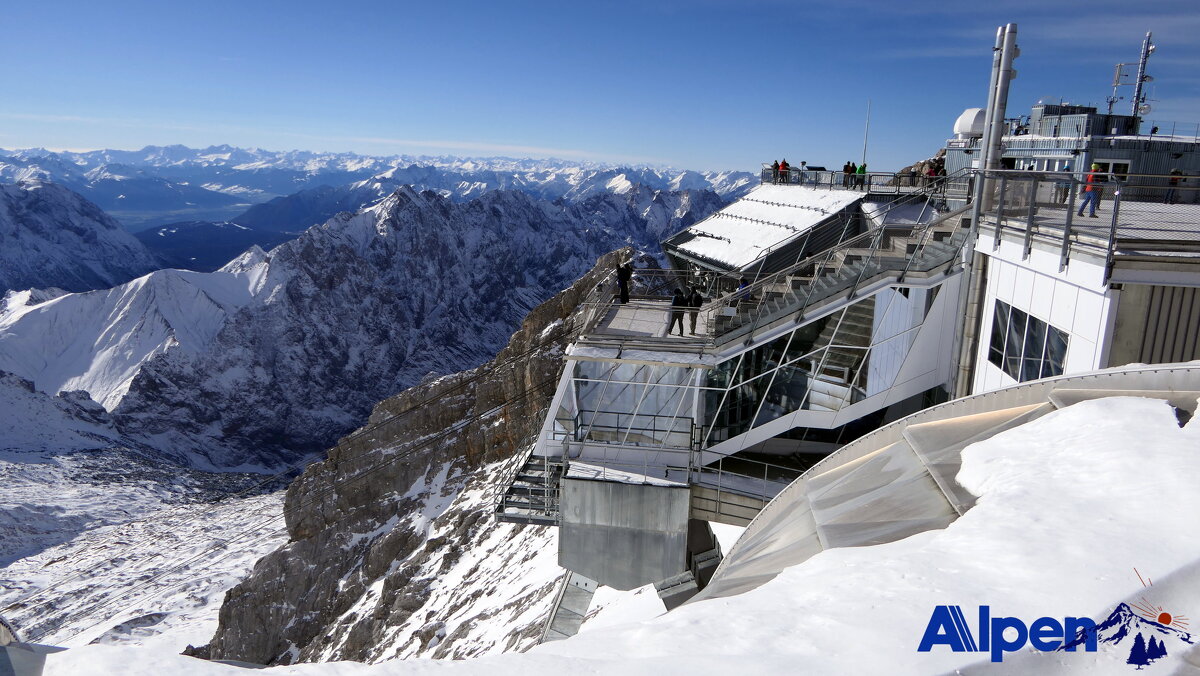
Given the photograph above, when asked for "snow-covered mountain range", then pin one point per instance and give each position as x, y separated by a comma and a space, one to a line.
52, 237
277, 354
159, 185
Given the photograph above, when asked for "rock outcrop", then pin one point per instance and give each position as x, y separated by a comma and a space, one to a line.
393, 551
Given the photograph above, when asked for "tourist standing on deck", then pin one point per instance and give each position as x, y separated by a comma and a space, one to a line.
1091, 193
678, 304
861, 179
847, 170
624, 274
1062, 187
1172, 185
694, 300
775, 171
783, 171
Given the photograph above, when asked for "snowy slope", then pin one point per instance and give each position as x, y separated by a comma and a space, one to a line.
1061, 522
99, 340
35, 423
114, 577
52, 237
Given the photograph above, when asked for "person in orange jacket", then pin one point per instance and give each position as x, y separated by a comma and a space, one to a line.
1092, 192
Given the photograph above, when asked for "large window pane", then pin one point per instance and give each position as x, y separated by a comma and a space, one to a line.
1025, 347
999, 332
1014, 344
1035, 345
1056, 353
785, 395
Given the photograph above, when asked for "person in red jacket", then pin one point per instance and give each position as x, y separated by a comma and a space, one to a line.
1092, 192
783, 171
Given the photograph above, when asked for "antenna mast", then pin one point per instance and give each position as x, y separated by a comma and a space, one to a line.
1139, 99
866, 131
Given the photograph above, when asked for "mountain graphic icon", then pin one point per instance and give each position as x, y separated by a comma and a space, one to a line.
1124, 623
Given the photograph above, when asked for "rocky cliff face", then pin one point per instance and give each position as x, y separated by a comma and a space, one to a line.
393, 552
52, 237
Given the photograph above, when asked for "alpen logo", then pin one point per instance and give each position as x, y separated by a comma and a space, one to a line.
1154, 632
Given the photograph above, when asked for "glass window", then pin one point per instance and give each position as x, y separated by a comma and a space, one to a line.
1056, 353
1025, 347
999, 331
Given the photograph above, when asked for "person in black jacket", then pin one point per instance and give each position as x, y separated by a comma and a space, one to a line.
678, 304
624, 274
694, 300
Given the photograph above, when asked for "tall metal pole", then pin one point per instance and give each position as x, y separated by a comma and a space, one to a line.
990, 148
1138, 99
1004, 77
866, 131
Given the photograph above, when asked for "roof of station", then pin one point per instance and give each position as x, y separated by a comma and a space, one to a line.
765, 218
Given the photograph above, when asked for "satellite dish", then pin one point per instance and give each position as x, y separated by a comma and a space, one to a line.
1144, 109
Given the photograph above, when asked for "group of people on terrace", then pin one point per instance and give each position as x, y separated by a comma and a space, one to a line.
685, 299
854, 176
782, 172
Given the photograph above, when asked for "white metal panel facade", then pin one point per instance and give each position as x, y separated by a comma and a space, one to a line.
1075, 301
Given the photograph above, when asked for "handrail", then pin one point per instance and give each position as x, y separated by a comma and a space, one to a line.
1153, 209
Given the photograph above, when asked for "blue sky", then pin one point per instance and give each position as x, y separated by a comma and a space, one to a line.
706, 84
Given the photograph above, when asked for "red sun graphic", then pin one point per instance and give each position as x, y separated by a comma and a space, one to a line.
1157, 614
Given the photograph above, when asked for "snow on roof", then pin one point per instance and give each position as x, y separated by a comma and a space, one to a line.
766, 217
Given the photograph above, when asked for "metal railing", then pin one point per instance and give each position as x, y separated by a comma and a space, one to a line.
1110, 214
742, 476
872, 181
637, 427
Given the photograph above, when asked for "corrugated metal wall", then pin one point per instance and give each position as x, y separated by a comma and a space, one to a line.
1172, 325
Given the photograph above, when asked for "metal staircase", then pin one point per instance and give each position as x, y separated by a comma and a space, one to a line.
530, 492
889, 253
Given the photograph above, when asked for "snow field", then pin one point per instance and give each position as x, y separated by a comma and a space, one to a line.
1069, 505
